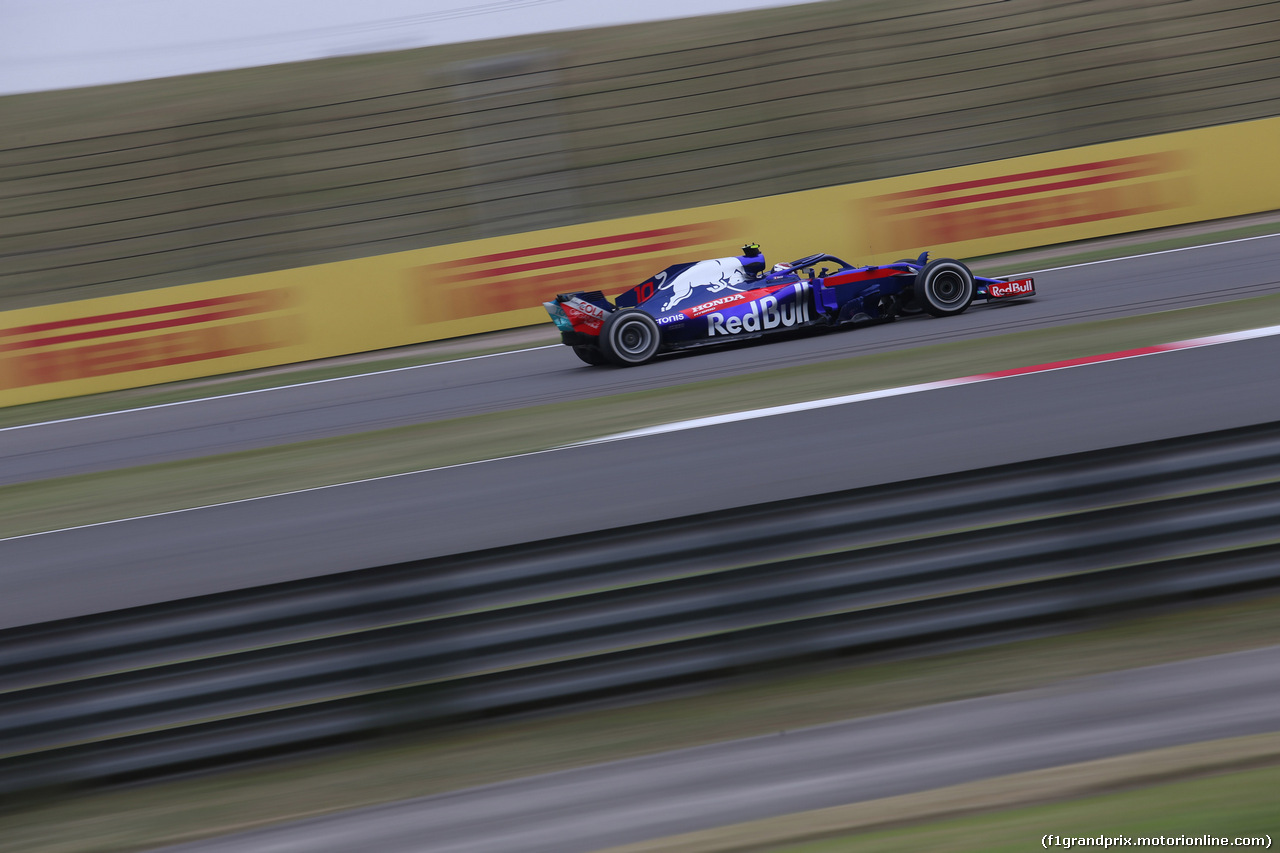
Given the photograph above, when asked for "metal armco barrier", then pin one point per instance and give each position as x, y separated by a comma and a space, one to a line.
203, 681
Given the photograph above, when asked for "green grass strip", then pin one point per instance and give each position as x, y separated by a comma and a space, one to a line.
1229, 806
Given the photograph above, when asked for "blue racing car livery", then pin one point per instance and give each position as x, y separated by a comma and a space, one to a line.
726, 299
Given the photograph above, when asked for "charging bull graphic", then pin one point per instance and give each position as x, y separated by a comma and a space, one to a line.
717, 275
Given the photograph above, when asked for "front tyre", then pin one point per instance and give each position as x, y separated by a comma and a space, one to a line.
629, 337
944, 287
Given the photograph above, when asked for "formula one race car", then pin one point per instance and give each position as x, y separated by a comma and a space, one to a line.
716, 301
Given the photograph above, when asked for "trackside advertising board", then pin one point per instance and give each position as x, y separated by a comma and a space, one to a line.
441, 292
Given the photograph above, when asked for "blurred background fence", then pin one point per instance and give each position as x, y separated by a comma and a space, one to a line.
944, 562
175, 181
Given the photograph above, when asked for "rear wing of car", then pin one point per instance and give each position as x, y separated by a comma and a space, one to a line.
580, 313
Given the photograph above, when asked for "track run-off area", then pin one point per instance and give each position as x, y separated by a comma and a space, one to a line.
877, 438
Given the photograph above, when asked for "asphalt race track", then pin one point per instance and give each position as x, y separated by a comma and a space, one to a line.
1119, 288
104, 567
920, 749
504, 501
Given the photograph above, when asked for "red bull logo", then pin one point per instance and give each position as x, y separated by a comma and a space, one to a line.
769, 312
523, 278
1029, 201
126, 341
1021, 287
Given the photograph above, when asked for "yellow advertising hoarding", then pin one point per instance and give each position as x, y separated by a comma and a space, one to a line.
428, 294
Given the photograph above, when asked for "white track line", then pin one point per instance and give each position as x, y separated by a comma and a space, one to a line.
548, 346
1147, 254
279, 494
696, 423
733, 417
273, 388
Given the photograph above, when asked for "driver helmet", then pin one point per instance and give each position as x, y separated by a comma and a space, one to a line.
780, 267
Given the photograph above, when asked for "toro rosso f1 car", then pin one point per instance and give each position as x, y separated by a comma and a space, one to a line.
727, 299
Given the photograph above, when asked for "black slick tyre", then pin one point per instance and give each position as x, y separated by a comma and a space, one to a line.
944, 287
629, 337
590, 355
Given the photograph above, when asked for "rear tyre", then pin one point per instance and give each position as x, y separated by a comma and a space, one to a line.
590, 355
944, 287
629, 337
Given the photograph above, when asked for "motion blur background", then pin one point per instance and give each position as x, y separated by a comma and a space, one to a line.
191, 179
303, 135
